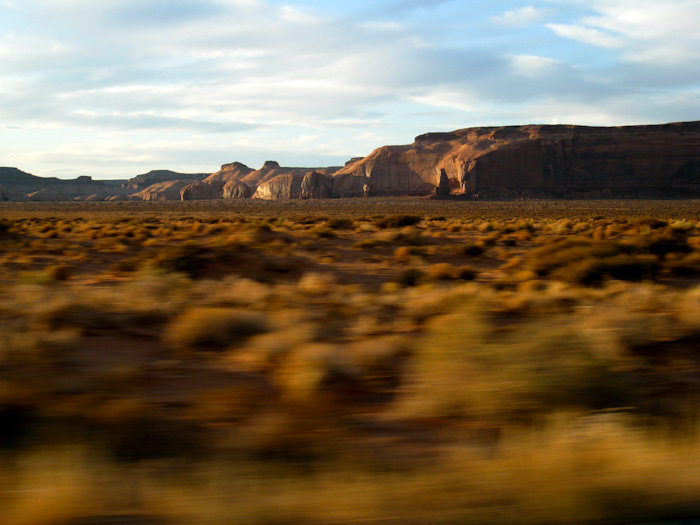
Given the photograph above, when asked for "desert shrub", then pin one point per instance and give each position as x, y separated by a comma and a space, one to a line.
662, 246
373, 242
125, 266
402, 254
683, 267
59, 272
560, 254
312, 369
491, 239
397, 221
186, 258
340, 223
213, 328
87, 315
466, 273
323, 232
465, 368
472, 249
441, 271
410, 277
316, 284
592, 271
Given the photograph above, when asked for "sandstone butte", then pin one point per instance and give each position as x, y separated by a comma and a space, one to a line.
533, 161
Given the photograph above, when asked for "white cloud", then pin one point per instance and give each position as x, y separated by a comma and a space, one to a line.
646, 31
587, 35
532, 65
522, 16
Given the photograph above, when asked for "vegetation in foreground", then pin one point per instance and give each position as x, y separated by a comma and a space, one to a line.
367, 368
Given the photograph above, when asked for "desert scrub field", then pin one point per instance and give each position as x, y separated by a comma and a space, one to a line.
309, 367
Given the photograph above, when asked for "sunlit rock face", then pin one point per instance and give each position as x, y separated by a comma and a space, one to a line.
534, 160
252, 179
286, 186
163, 191
234, 189
232, 171
315, 185
204, 189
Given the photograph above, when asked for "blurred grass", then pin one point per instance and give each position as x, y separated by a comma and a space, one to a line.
202, 384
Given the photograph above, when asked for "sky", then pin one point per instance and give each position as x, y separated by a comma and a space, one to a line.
115, 88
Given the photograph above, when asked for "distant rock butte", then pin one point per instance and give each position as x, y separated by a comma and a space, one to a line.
540, 161
535, 160
163, 191
155, 176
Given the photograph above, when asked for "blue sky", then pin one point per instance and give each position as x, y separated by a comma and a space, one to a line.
118, 87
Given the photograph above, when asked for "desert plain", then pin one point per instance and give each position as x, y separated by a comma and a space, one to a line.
340, 361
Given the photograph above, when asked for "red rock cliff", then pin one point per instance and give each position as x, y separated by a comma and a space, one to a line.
530, 159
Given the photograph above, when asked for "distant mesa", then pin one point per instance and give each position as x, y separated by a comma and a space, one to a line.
503, 162
155, 176
535, 161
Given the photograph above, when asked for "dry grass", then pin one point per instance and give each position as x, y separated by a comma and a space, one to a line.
327, 363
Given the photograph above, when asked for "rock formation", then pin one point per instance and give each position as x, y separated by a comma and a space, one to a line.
203, 189
488, 162
315, 185
233, 171
535, 160
163, 191
155, 176
286, 186
253, 180
235, 189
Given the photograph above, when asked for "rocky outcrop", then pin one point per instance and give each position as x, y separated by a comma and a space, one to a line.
201, 190
286, 186
163, 191
215, 189
536, 160
94, 198
233, 171
270, 170
315, 185
235, 189
117, 198
155, 176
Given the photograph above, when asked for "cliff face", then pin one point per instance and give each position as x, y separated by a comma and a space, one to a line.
285, 186
163, 191
530, 159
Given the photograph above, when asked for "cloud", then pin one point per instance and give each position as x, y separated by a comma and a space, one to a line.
520, 17
223, 80
532, 65
587, 35
645, 31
